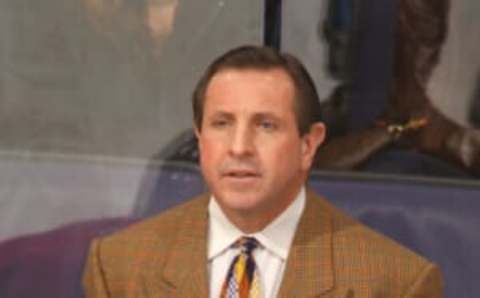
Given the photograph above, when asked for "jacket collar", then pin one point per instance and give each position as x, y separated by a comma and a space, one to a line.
309, 270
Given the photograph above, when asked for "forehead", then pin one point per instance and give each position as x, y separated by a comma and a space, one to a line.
250, 87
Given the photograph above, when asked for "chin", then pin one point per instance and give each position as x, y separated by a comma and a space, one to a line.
238, 201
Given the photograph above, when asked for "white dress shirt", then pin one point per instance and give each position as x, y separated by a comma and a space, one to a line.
270, 257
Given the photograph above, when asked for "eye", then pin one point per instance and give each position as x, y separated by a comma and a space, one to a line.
268, 125
219, 123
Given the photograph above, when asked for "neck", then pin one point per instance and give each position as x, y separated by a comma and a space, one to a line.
253, 221
248, 223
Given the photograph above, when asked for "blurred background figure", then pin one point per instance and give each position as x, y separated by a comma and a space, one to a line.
410, 120
152, 18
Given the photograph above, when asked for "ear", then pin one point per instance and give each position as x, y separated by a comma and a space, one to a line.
311, 141
197, 135
196, 131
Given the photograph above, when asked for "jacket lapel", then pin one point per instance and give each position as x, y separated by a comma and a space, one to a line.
185, 270
309, 270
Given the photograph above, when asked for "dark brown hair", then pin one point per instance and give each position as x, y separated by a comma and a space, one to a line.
307, 104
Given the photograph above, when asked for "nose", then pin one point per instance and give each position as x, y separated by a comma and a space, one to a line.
242, 142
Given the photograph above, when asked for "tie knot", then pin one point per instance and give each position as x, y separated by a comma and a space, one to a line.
247, 244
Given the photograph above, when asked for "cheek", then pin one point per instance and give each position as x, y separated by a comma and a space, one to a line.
210, 155
286, 157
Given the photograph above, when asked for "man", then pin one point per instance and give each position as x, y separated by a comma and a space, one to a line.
259, 231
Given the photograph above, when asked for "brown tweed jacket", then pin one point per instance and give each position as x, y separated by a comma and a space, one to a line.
332, 256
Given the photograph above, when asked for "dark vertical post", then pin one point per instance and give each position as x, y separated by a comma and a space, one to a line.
272, 23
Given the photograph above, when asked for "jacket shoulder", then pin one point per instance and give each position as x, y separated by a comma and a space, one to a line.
143, 247
383, 264
348, 230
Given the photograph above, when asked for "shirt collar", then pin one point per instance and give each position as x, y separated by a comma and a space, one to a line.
277, 237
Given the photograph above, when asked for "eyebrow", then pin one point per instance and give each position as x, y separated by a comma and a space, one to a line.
221, 114
256, 116
266, 115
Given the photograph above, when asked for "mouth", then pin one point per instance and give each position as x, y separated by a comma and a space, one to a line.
241, 174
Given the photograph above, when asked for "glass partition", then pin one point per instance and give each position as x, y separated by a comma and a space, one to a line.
91, 90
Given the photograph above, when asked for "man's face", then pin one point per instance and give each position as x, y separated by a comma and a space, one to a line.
251, 153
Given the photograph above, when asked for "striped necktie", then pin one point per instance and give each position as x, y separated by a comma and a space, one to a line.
242, 279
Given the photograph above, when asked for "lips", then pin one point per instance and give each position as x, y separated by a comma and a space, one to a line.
240, 180
241, 173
